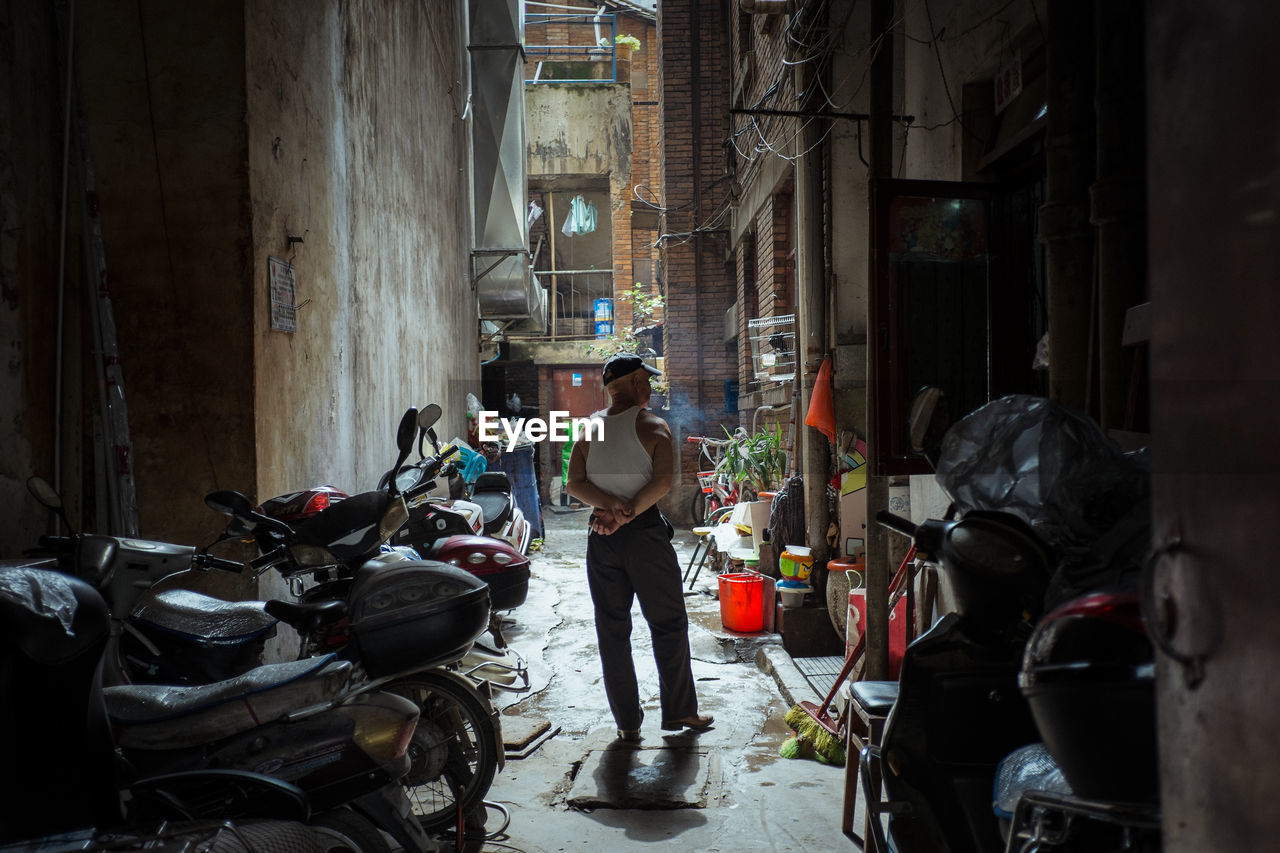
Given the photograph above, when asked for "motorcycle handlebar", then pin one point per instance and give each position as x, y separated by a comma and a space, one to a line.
896, 523
58, 544
208, 561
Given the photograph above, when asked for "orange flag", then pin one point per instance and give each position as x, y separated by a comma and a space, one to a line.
822, 408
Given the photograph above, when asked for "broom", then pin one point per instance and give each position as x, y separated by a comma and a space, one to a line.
812, 723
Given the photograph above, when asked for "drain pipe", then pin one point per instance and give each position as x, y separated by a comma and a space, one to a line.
811, 342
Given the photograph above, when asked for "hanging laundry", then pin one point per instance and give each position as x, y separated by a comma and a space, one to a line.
581, 218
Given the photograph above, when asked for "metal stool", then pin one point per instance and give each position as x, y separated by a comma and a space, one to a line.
704, 545
869, 706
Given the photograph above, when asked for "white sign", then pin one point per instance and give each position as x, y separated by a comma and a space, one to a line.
1008, 83
284, 314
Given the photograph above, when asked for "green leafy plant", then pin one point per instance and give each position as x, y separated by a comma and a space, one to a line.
623, 39
756, 459
644, 307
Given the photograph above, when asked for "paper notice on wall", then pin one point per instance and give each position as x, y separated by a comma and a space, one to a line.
1008, 82
284, 317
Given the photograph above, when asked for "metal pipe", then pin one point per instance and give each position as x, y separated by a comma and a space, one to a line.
811, 342
551, 229
880, 130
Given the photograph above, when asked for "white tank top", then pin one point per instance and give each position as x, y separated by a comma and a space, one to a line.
619, 464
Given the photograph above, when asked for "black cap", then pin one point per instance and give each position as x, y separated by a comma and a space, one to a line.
623, 363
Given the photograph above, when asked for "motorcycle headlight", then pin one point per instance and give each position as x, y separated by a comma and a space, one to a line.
477, 558
502, 558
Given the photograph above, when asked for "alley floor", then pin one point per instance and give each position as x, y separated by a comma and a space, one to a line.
725, 789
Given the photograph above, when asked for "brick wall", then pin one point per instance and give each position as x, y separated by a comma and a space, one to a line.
769, 85
700, 279
646, 165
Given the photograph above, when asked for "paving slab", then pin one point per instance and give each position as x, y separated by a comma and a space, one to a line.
625, 776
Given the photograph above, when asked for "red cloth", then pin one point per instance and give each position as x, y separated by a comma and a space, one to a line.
822, 408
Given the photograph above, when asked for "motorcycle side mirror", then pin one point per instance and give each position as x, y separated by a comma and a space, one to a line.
405, 434
43, 491
928, 421
428, 415
226, 502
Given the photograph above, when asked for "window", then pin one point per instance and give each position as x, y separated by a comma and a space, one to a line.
948, 307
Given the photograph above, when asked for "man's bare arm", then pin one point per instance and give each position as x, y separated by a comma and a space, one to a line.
657, 438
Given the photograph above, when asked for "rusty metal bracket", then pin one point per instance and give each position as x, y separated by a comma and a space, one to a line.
1162, 618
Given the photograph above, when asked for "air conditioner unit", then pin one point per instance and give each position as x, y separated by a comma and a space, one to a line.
731, 322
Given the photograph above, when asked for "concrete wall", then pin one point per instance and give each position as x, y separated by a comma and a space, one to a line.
578, 129
216, 130
164, 96
30, 178
356, 143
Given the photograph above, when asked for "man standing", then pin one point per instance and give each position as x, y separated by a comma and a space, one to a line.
629, 551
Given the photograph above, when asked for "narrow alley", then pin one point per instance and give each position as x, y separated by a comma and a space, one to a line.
725, 789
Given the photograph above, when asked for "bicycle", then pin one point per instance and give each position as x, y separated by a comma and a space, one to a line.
716, 489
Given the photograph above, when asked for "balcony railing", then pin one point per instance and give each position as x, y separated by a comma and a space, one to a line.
572, 48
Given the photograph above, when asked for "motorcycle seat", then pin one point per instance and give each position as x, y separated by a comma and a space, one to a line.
203, 619
875, 697
497, 508
492, 481
156, 716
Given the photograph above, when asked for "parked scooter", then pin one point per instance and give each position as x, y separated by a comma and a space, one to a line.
1042, 513
465, 533
439, 528
401, 619
62, 786
1089, 676
185, 637
61, 725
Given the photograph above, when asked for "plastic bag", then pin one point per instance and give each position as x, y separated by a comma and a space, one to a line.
1056, 470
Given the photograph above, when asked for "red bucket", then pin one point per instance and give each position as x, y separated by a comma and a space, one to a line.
742, 602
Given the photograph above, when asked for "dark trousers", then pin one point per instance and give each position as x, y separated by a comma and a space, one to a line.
637, 561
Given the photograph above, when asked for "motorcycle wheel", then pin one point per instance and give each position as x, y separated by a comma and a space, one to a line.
342, 830
455, 758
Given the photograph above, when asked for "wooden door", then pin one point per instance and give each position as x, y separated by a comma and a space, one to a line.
577, 390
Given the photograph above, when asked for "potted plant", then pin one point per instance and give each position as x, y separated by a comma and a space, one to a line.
624, 44
757, 460
644, 306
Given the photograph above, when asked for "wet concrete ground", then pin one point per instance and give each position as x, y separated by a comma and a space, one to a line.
725, 789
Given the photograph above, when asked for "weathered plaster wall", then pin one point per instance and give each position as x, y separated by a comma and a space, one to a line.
163, 90
356, 144
579, 129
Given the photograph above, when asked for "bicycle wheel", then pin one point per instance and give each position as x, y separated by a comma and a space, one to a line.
453, 750
698, 507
